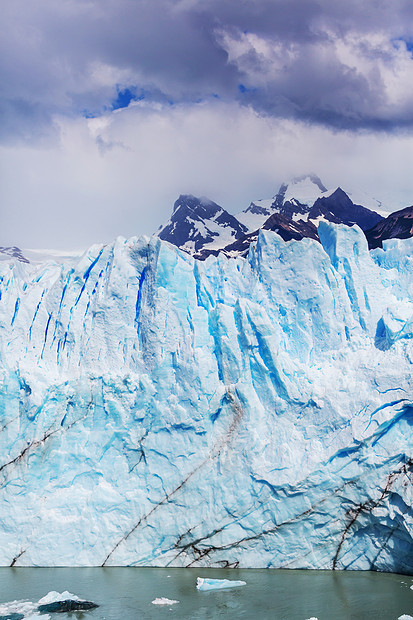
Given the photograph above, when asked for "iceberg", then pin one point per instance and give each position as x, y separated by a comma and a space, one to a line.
203, 583
57, 597
164, 601
67, 605
52, 602
156, 410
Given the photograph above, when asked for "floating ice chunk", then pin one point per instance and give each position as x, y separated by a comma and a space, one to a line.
62, 602
203, 583
312, 618
54, 597
411, 587
405, 617
19, 609
67, 605
164, 601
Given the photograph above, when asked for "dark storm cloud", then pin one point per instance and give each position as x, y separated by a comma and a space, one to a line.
341, 64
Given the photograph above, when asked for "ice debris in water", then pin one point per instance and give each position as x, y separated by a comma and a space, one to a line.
16, 610
67, 605
53, 601
164, 601
203, 583
405, 617
54, 597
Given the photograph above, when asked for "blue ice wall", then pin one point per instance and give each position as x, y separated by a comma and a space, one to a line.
156, 410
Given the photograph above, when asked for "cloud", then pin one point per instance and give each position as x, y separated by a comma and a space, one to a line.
120, 173
348, 82
343, 65
111, 108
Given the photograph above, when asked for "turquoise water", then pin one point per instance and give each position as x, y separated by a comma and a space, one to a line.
127, 593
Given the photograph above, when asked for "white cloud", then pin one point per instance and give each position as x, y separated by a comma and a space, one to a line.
259, 59
348, 80
121, 173
382, 63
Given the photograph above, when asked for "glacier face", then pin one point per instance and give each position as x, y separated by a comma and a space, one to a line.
157, 410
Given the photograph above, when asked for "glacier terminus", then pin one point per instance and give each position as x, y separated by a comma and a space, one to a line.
158, 410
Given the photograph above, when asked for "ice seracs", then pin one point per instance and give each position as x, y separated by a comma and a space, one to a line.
226, 412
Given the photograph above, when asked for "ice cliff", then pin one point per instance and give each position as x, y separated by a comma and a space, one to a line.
158, 410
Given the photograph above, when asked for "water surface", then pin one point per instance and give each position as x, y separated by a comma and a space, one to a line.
127, 593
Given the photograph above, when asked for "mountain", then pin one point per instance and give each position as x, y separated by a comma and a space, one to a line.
397, 225
307, 199
251, 412
292, 200
199, 225
337, 207
302, 191
285, 227
12, 252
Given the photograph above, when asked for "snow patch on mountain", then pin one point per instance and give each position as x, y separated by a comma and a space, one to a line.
199, 224
256, 214
12, 252
303, 190
295, 200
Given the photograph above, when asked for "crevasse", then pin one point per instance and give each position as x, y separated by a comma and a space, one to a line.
156, 410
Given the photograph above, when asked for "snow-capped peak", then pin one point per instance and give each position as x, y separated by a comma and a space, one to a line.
303, 190
10, 252
199, 224
293, 199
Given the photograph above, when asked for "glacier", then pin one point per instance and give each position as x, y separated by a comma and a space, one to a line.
156, 410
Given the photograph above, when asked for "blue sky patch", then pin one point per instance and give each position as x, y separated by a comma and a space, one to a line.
89, 114
407, 41
244, 89
125, 96
409, 44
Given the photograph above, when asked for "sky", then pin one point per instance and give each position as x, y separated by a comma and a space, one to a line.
112, 108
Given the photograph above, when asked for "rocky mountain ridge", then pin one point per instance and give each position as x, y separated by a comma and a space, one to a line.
202, 228
12, 252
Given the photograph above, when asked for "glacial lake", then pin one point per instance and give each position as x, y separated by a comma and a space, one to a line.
127, 593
